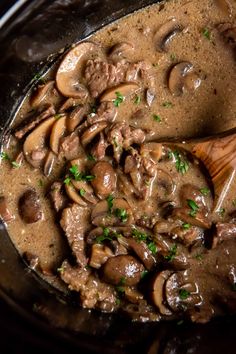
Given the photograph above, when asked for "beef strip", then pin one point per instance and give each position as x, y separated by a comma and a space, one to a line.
59, 200
75, 221
93, 292
223, 232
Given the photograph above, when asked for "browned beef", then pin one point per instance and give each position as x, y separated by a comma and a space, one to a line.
70, 146
33, 121
99, 149
93, 292
75, 221
224, 232
59, 200
106, 112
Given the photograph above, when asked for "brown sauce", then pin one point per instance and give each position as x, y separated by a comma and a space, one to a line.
130, 209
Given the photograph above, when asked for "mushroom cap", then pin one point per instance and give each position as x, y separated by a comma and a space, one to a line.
157, 291
165, 33
67, 76
182, 78
104, 182
58, 130
126, 89
36, 141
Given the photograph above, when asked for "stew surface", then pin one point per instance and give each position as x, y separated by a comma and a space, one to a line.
108, 190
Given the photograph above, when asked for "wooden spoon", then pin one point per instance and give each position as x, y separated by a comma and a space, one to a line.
218, 154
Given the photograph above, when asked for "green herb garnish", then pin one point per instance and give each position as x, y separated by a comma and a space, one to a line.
15, 164
234, 202
137, 99
192, 205
121, 214
139, 236
67, 180
105, 236
4, 156
172, 57
82, 192
181, 165
109, 200
205, 191
172, 253
157, 118
58, 116
80, 176
167, 104
40, 183
199, 257
144, 274
206, 33
186, 226
152, 247
119, 99
183, 294
90, 157
221, 212
60, 270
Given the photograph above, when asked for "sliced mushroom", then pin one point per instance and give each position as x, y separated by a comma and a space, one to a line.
142, 251
30, 207
5, 214
182, 78
76, 117
157, 292
165, 183
121, 50
70, 104
67, 76
41, 93
85, 191
152, 150
99, 255
49, 163
181, 294
101, 216
33, 121
91, 237
36, 141
199, 218
225, 6
105, 179
132, 294
91, 132
122, 270
165, 33
58, 130
73, 195
125, 90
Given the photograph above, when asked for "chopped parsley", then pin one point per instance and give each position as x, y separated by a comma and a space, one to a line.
193, 206
90, 157
109, 200
221, 212
119, 99
206, 33
234, 202
167, 104
173, 57
183, 294
119, 287
172, 253
205, 191
121, 214
181, 165
152, 247
80, 176
4, 156
105, 236
144, 274
141, 236
82, 192
58, 116
186, 226
157, 118
137, 99
118, 301
60, 270
67, 180
199, 257
40, 183
15, 164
